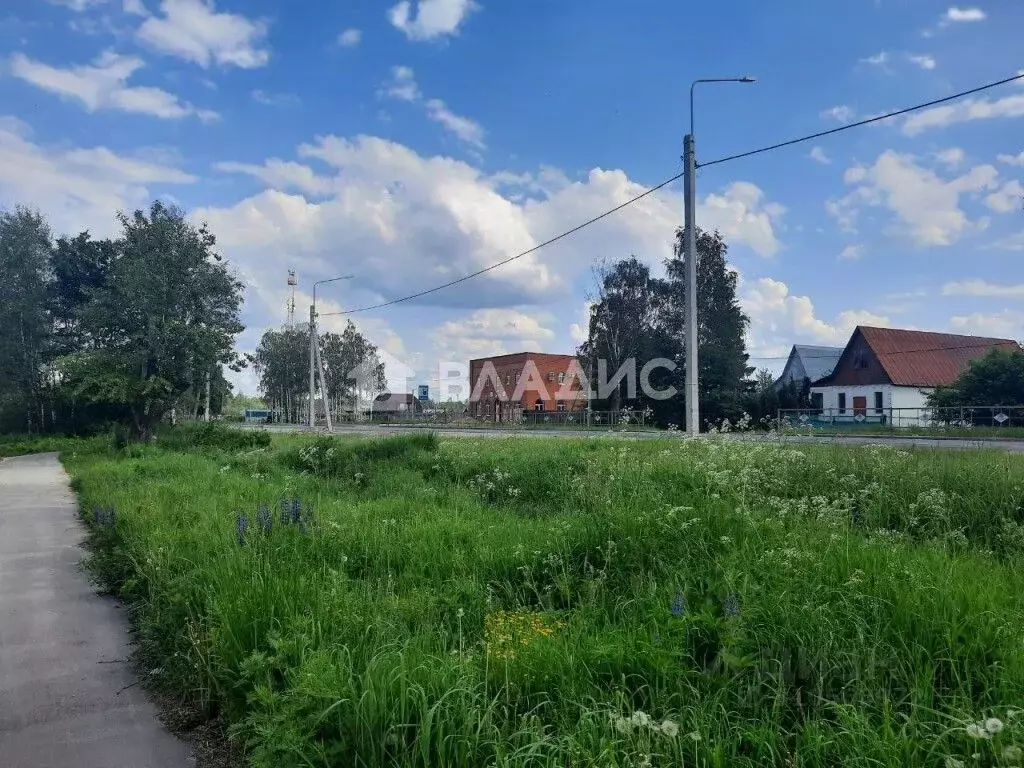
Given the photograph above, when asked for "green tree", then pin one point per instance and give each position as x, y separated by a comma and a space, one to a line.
282, 363
995, 379
79, 268
721, 326
350, 362
25, 338
165, 316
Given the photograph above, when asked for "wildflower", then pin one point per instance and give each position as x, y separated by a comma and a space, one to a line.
264, 519
1012, 755
668, 728
641, 719
224, 469
978, 731
694, 735
241, 526
952, 762
296, 510
286, 515
679, 605
623, 725
993, 725
461, 613
732, 607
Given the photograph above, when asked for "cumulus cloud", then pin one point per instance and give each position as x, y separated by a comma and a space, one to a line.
851, 252
1009, 197
926, 207
104, 85
1008, 324
193, 30
964, 111
78, 188
924, 61
842, 113
1012, 159
350, 38
953, 156
779, 319
960, 15
488, 332
979, 287
818, 155
403, 222
403, 87
430, 19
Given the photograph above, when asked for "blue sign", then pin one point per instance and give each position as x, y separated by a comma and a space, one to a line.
423, 393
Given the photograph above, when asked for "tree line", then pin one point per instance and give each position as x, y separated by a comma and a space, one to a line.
138, 328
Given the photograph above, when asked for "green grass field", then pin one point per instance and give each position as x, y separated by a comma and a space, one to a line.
600, 602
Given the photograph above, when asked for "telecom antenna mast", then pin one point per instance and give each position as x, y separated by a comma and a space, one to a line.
292, 282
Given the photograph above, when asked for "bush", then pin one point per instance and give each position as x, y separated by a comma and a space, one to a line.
212, 435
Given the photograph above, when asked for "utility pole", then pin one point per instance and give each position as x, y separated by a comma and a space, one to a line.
312, 364
206, 412
690, 253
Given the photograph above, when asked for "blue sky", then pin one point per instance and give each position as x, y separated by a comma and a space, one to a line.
411, 142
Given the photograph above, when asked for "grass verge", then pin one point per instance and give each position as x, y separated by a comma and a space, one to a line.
416, 602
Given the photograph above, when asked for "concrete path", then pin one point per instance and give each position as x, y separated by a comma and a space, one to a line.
68, 698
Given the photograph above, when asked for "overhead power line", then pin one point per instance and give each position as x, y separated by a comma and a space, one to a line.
665, 183
866, 121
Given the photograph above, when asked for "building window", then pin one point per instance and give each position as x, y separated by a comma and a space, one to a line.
842, 402
817, 401
878, 402
539, 405
561, 378
551, 375
561, 405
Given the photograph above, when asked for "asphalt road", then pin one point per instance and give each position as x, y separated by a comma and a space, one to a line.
1013, 446
68, 698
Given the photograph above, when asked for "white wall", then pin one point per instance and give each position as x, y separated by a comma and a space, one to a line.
892, 398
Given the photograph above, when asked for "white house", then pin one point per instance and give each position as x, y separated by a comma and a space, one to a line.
885, 375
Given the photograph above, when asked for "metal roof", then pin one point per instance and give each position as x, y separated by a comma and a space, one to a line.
924, 359
818, 362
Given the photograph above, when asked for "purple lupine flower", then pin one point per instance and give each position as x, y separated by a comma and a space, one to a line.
732, 606
99, 515
286, 514
264, 519
679, 604
112, 518
296, 511
241, 526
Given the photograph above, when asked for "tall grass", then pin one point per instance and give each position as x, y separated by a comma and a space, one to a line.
418, 602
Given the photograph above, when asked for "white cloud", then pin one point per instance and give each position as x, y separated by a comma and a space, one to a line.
134, 8
411, 222
780, 319
274, 99
431, 19
194, 31
978, 287
1009, 197
103, 85
818, 155
350, 38
281, 174
878, 60
924, 61
964, 111
955, 15
466, 129
580, 331
488, 332
403, 87
77, 5
1012, 159
1009, 243
1008, 324
926, 207
851, 252
76, 188
953, 156
842, 113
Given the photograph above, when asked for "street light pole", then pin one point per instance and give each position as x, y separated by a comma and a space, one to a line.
313, 358
690, 254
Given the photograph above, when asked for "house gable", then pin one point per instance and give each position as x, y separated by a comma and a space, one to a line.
857, 366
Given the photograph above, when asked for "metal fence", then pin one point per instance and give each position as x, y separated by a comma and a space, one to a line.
966, 418
580, 419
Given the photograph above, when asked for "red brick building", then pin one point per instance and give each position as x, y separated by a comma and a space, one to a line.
505, 386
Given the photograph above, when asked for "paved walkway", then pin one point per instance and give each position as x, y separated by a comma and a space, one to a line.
67, 695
